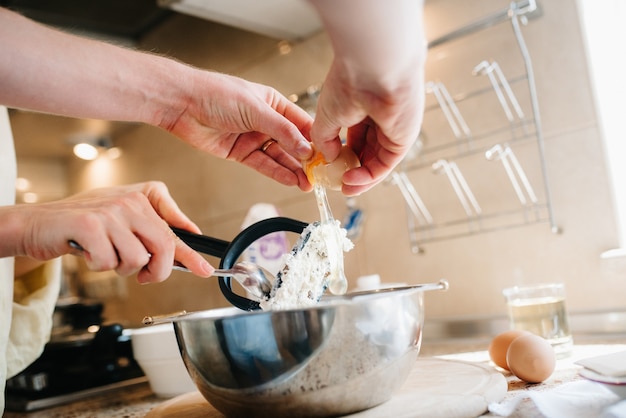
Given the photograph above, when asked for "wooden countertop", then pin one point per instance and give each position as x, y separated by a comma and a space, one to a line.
138, 400
133, 402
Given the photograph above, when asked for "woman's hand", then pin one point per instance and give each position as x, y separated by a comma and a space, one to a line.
124, 228
382, 127
375, 86
234, 119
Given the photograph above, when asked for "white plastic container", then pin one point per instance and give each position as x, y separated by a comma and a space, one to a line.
156, 350
373, 282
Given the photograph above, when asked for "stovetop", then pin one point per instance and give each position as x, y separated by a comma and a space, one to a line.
73, 367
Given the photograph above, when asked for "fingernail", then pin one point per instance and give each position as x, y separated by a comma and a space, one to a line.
206, 268
142, 280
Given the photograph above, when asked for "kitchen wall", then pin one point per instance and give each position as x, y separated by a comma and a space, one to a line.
217, 194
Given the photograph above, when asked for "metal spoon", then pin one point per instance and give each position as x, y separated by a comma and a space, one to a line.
254, 278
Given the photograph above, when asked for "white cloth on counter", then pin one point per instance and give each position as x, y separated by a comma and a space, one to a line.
615, 411
578, 399
25, 323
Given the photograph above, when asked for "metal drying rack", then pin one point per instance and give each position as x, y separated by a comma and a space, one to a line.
423, 225
440, 158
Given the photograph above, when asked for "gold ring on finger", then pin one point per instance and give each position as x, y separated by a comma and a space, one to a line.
267, 144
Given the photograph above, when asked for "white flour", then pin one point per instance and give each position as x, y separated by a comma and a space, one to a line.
314, 261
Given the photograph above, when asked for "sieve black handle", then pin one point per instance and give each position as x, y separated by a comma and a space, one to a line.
207, 245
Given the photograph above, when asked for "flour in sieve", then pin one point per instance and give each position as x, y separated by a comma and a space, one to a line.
309, 267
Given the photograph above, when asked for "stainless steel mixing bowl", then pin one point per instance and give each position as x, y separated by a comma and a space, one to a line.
343, 355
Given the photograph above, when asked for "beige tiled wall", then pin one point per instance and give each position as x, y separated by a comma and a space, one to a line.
217, 193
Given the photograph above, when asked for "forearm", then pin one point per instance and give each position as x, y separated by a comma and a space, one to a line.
50, 71
377, 42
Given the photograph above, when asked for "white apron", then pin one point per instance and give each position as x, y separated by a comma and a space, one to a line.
25, 324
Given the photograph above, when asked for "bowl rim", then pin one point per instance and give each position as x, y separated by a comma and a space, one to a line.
328, 301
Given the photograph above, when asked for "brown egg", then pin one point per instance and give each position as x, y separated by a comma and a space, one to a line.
500, 344
531, 358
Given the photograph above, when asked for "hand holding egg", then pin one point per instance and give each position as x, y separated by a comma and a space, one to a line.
330, 175
528, 356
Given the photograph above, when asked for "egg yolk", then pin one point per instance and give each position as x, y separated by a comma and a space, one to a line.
330, 175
